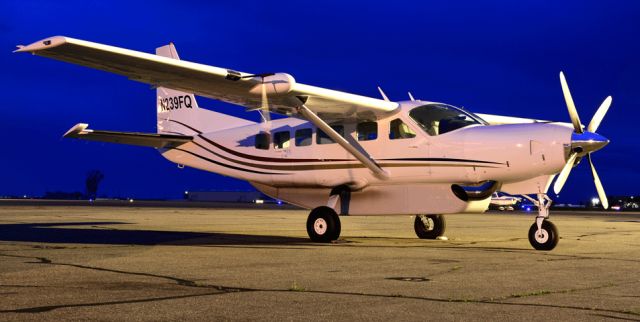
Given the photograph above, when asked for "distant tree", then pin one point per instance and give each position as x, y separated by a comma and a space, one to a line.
94, 177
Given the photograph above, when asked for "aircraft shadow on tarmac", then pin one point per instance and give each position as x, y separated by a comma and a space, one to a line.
62, 233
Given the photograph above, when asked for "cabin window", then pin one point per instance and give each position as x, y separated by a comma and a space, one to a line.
303, 137
323, 138
400, 130
367, 131
281, 140
262, 141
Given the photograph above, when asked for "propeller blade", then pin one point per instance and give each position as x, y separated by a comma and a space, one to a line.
597, 118
562, 177
599, 188
573, 113
546, 188
264, 109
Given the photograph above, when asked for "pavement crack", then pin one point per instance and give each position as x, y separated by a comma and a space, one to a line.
46, 308
546, 292
44, 260
614, 317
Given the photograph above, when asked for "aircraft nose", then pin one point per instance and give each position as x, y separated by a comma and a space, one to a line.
587, 142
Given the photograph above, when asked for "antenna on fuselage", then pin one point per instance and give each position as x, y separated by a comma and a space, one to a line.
384, 96
411, 97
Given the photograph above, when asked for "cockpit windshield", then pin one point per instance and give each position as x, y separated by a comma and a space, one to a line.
436, 119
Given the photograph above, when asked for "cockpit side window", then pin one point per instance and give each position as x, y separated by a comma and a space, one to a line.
436, 119
400, 130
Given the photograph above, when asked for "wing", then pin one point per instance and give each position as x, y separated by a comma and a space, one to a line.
226, 85
80, 131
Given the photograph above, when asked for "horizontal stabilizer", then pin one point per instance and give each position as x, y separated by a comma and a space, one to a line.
80, 131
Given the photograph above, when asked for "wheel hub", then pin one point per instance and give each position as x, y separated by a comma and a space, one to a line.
427, 222
542, 236
320, 226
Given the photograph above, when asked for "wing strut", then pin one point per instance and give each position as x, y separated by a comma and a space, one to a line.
322, 125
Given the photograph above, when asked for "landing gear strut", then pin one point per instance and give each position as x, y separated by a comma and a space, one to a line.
429, 226
543, 234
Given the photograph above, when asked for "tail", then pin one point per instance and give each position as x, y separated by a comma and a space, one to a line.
178, 112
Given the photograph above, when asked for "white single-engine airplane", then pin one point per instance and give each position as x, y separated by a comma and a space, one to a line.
340, 153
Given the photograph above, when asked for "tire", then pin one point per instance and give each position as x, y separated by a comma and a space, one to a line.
323, 225
435, 228
549, 238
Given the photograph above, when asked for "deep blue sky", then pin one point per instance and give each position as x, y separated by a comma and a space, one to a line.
499, 57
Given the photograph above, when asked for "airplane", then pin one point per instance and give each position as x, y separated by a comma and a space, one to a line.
503, 202
342, 154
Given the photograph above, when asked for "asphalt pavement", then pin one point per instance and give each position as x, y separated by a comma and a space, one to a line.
128, 263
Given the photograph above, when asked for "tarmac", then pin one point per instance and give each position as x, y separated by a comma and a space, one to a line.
130, 263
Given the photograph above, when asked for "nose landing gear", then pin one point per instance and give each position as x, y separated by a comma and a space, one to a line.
543, 234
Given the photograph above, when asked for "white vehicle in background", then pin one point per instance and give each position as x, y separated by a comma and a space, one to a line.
339, 153
503, 202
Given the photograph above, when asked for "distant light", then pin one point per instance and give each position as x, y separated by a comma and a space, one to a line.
528, 208
259, 201
595, 201
25, 197
615, 207
186, 192
130, 200
279, 202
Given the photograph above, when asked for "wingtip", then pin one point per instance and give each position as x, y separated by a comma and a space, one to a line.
75, 130
42, 44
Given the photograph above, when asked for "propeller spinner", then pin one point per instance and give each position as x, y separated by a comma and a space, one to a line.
583, 142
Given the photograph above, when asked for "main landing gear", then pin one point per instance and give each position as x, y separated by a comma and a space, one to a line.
323, 225
429, 226
543, 234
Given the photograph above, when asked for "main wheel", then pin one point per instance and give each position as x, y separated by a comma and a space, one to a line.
323, 225
429, 226
545, 239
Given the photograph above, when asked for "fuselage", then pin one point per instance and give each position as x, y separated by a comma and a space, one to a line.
295, 154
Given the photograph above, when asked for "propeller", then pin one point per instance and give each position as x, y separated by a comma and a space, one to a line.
583, 142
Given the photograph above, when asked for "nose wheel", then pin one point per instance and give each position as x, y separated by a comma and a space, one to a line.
545, 238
